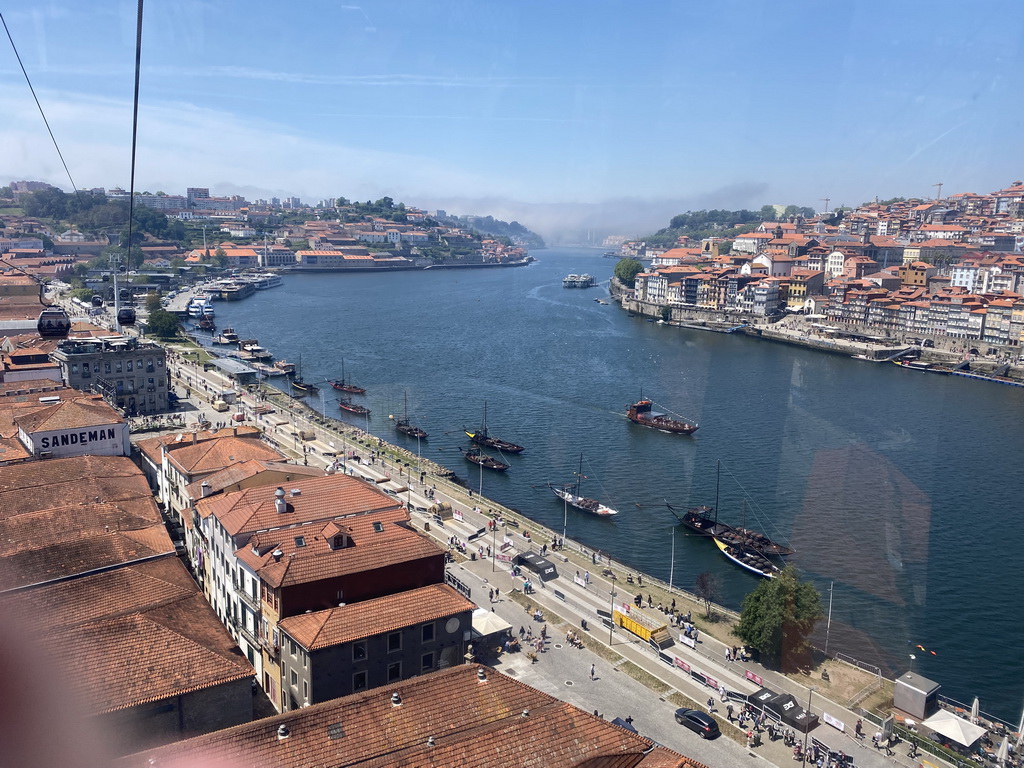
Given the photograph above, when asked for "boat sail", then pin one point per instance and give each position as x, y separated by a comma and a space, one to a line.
403, 425
571, 495
481, 437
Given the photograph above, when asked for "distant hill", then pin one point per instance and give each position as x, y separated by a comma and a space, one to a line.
515, 232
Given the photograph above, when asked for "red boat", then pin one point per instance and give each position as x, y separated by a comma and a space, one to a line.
346, 404
344, 386
641, 413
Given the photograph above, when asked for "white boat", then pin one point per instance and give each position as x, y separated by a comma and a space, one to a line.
200, 306
751, 561
571, 495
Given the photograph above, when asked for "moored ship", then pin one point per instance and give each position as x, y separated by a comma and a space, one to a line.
480, 458
344, 385
641, 412
405, 427
752, 561
346, 404
481, 437
572, 496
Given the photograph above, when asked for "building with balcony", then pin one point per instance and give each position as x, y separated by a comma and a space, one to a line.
130, 374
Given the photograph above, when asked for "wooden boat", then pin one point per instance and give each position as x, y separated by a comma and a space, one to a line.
641, 413
571, 495
302, 386
346, 404
403, 425
284, 366
704, 520
344, 386
752, 561
480, 458
917, 365
481, 437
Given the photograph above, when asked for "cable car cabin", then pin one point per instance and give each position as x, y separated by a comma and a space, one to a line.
97, 300
126, 316
53, 323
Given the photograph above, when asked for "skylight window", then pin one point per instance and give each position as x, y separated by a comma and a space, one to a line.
300, 541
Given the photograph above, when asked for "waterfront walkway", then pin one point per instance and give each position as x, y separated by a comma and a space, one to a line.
648, 685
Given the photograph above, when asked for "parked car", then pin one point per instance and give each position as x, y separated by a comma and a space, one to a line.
701, 723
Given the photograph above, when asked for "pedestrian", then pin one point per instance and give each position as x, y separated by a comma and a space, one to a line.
728, 655
722, 693
490, 595
586, 577
728, 712
711, 703
593, 672
859, 728
522, 631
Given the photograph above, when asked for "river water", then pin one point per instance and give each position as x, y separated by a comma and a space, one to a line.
898, 489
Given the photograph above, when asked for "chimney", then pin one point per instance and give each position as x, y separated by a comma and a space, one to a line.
283, 732
194, 439
207, 490
481, 675
430, 741
279, 503
278, 554
396, 699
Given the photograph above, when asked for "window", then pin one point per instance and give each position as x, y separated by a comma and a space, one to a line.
305, 690
359, 650
300, 541
378, 527
129, 368
359, 682
74, 367
294, 677
394, 642
427, 662
394, 671
428, 633
106, 367
291, 646
117, 368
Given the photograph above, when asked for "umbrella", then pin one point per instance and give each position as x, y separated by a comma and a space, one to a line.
974, 711
1002, 753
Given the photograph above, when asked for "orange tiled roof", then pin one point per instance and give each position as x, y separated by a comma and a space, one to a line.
211, 455
497, 722
79, 413
237, 473
337, 626
323, 498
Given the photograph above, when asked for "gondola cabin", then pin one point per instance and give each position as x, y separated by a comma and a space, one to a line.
97, 300
53, 323
126, 316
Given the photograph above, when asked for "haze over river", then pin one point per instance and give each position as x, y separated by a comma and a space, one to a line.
900, 487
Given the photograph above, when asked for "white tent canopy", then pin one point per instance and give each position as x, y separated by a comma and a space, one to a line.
487, 623
956, 728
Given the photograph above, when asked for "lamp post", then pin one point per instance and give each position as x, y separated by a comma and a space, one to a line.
828, 627
611, 627
565, 516
810, 692
672, 566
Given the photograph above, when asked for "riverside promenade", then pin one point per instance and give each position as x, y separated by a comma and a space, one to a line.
631, 677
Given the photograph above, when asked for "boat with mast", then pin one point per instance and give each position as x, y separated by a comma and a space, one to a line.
480, 458
403, 425
572, 496
641, 412
481, 437
704, 521
300, 385
344, 385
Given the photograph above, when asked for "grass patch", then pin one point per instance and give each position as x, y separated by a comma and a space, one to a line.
644, 677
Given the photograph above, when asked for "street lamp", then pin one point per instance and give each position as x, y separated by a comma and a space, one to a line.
611, 627
810, 692
565, 516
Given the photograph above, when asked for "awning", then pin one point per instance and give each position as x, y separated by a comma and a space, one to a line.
487, 624
952, 727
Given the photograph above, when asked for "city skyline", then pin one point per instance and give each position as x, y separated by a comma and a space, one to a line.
606, 116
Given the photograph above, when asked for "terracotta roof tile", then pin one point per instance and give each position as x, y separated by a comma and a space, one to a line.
211, 455
472, 723
336, 626
69, 414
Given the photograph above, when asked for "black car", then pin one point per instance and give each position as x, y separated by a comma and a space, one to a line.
701, 723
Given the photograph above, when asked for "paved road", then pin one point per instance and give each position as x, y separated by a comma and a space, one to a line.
560, 671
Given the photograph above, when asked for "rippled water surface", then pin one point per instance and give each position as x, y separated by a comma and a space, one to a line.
899, 489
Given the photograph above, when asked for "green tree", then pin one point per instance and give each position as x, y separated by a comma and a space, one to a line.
220, 257
82, 294
163, 324
152, 302
627, 270
767, 213
777, 618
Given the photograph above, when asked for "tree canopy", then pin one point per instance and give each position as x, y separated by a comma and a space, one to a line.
163, 324
627, 270
777, 618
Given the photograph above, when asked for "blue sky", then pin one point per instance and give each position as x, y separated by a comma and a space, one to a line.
612, 115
